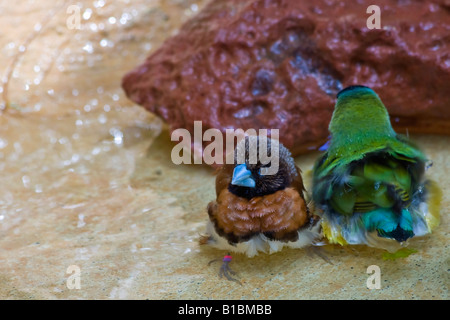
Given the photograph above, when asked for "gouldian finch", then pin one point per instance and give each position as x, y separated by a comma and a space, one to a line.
369, 184
259, 213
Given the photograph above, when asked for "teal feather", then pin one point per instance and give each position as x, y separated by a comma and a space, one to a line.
406, 220
383, 220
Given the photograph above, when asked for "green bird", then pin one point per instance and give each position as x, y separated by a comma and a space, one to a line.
369, 184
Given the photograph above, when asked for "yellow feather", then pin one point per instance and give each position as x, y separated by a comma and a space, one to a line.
332, 234
434, 205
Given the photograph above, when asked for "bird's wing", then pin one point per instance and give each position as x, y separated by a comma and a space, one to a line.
297, 182
376, 182
223, 178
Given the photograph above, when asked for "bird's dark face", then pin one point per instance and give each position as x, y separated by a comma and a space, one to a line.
267, 175
248, 182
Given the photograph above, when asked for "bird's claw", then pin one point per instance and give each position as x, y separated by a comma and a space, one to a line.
225, 270
319, 252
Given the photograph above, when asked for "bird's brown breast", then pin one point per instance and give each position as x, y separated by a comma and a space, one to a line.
278, 216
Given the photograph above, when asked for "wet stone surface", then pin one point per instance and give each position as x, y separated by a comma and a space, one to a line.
87, 179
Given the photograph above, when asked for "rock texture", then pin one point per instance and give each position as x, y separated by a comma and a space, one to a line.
279, 64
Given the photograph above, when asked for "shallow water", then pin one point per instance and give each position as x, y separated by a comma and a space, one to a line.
87, 180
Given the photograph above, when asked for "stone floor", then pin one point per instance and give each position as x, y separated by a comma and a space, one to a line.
87, 178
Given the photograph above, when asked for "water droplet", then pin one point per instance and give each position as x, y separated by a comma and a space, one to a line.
87, 14
96, 150
18, 147
38, 188
3, 143
426, 26
112, 20
93, 27
26, 181
117, 134
102, 119
420, 190
75, 158
147, 46
88, 47
99, 3
106, 43
81, 222
63, 140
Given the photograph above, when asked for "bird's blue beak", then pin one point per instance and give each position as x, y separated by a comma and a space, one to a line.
242, 177
326, 145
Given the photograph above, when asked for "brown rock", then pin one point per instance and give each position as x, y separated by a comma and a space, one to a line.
279, 64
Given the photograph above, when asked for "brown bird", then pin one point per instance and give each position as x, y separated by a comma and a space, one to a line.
256, 212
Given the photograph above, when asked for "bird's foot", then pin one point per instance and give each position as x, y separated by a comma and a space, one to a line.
319, 251
225, 270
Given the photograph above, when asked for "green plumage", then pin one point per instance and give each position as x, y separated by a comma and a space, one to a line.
370, 177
